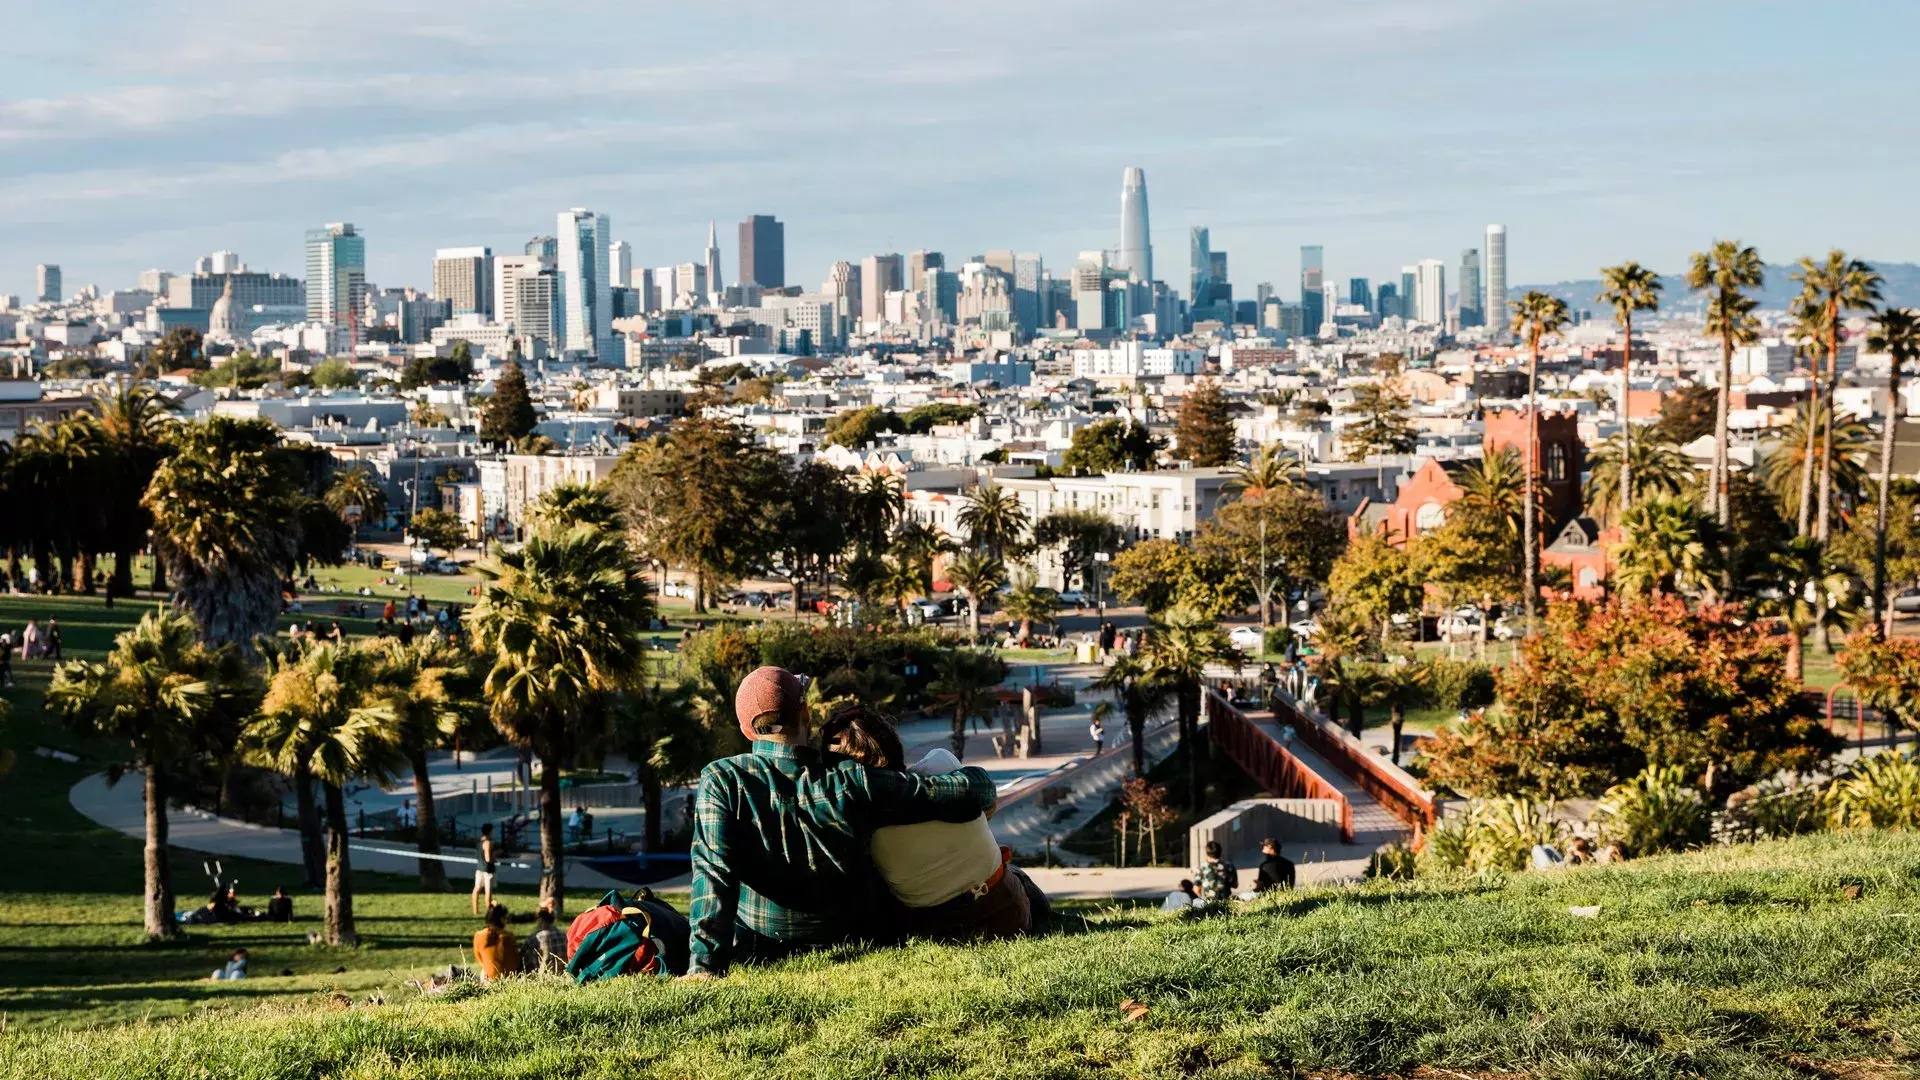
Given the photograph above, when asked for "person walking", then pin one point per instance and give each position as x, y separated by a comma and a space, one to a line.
483, 874
1097, 731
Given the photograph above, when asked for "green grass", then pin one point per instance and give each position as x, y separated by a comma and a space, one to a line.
1742, 962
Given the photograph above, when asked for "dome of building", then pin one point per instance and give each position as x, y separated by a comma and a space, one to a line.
223, 322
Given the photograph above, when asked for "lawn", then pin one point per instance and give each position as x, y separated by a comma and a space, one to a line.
1744, 962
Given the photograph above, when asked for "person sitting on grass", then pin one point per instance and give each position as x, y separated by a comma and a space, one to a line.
280, 905
780, 835
1184, 898
955, 880
236, 968
546, 951
494, 948
1218, 879
1276, 870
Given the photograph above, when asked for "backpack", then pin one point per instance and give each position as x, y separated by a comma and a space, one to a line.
621, 936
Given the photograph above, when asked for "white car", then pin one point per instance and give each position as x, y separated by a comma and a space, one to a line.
1907, 602
1465, 623
1505, 629
1073, 597
929, 609
1247, 638
1305, 629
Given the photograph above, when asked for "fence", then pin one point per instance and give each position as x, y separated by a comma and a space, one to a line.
1269, 763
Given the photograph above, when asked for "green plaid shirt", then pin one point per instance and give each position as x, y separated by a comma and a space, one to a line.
780, 842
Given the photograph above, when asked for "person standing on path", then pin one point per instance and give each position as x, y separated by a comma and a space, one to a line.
483, 874
1097, 731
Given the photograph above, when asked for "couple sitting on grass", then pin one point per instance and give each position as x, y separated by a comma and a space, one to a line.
817, 838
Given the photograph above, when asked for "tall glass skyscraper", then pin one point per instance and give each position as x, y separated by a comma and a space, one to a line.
336, 274
1312, 294
1473, 310
763, 252
1136, 245
1360, 291
586, 289
1496, 306
1200, 267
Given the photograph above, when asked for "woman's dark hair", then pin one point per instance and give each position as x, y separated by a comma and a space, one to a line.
497, 916
865, 736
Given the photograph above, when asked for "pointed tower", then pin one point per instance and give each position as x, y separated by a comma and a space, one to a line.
715, 283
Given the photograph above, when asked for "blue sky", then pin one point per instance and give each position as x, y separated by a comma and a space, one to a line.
144, 134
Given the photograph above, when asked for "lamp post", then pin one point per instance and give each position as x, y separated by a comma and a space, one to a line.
1100, 558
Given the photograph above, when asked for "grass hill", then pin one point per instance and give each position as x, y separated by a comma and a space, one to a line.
1786, 959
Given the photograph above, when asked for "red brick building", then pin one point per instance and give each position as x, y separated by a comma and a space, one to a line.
1420, 505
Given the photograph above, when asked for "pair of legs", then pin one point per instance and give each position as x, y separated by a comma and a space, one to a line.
482, 887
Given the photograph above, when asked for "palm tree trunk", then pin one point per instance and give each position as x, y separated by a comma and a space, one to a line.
553, 861
1399, 718
66, 570
339, 903
159, 582
1529, 554
1882, 614
159, 913
958, 738
122, 574
1722, 411
83, 581
1809, 454
1796, 654
1137, 728
1823, 514
973, 620
649, 803
426, 830
312, 852
1625, 499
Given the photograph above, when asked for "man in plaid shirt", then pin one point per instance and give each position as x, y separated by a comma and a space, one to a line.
780, 835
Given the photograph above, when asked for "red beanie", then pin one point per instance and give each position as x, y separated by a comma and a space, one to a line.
769, 690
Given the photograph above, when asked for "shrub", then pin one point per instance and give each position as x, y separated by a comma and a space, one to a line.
1275, 640
1659, 810
1880, 792
1461, 684
1774, 809
1395, 862
1493, 835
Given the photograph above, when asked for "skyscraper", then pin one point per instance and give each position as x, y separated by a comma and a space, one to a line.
1386, 300
715, 281
918, 263
1312, 298
1136, 244
1360, 291
336, 274
463, 277
1409, 291
1029, 273
1200, 264
1430, 299
46, 282
763, 252
585, 300
879, 275
1496, 306
507, 272
544, 247
1472, 300
620, 263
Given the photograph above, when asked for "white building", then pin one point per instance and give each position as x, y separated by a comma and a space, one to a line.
586, 287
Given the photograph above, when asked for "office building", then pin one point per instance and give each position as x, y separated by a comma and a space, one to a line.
1472, 300
620, 263
1430, 296
46, 283
1409, 291
918, 263
689, 285
336, 275
585, 268
763, 252
507, 270
1135, 258
879, 275
1496, 305
537, 304
1200, 266
1386, 299
155, 281
1029, 287
715, 280
463, 277
544, 247
1312, 298
1360, 291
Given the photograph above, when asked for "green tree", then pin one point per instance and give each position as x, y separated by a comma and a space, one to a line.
575, 503
1282, 542
698, 499
975, 574
1150, 573
1203, 430
811, 508
180, 348
222, 505
1140, 692
1653, 467
175, 701
1835, 287
924, 418
1270, 469
1027, 604
1112, 446
509, 414
1801, 590
1725, 271
423, 685
134, 425
964, 680
994, 519
1078, 535
436, 528
1670, 546
877, 501
334, 373
1785, 469
1382, 427
1896, 332
1885, 672
1536, 316
1375, 580
357, 496
659, 729
61, 470
857, 428
1685, 414
562, 622
1627, 288
1180, 646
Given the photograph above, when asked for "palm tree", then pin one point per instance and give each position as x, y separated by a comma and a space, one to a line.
1670, 544
975, 574
966, 678
994, 519
1627, 288
1273, 467
1809, 335
1727, 269
1398, 686
421, 685
1653, 466
877, 502
1789, 462
1496, 486
321, 719
576, 504
1140, 692
135, 422
1801, 589
1836, 286
1535, 316
659, 728
222, 514
563, 621
1181, 645
1027, 603
62, 470
175, 701
1896, 332
357, 491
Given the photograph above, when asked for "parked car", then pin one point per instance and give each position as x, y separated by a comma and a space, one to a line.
1249, 639
1504, 629
1072, 598
1305, 629
1907, 603
1467, 623
928, 609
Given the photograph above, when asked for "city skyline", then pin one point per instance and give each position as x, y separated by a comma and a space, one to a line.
213, 135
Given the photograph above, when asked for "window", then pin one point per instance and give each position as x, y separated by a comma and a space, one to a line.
1430, 517
1557, 461
1588, 577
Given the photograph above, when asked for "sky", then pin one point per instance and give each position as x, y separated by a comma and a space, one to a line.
137, 135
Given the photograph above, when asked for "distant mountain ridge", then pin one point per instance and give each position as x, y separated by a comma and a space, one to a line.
1901, 289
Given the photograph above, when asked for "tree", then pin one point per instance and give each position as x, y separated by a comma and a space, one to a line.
1282, 542
334, 373
1027, 604
1272, 468
1471, 559
575, 503
422, 686
975, 574
1669, 545
436, 528
964, 679
856, 428
1885, 673
1398, 686
1141, 692
1787, 471
134, 425
1161, 574
1627, 288
357, 496
1685, 414
1653, 467
1375, 580
994, 519
1180, 647
877, 501
1726, 270
1858, 548
436, 370
171, 698
1535, 316
1383, 427
812, 505
1790, 590
659, 730
225, 513
61, 468
179, 348
1079, 535
1204, 430
509, 414
1836, 286
924, 418
563, 621
320, 719
1112, 446
1495, 487
697, 499
1896, 332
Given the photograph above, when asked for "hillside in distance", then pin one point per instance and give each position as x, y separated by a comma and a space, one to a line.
1901, 289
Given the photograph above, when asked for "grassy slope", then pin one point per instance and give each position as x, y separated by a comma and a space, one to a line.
1735, 962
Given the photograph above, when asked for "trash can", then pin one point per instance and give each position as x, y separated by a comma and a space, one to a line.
1087, 652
